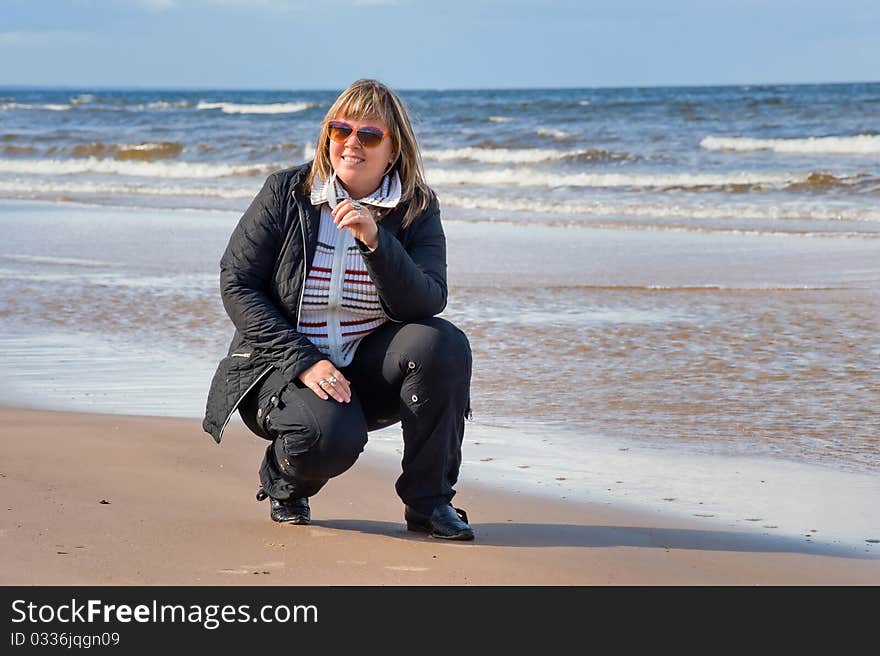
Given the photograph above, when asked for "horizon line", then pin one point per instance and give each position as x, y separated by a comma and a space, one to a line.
437, 89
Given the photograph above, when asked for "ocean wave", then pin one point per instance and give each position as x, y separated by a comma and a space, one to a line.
147, 151
167, 104
500, 119
49, 107
20, 188
132, 168
559, 135
271, 108
521, 155
584, 103
19, 150
821, 181
694, 217
862, 144
521, 177
666, 210
82, 99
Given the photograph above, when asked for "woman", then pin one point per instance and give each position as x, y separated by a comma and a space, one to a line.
333, 278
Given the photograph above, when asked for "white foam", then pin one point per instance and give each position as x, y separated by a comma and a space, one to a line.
163, 104
555, 134
584, 103
131, 168
503, 155
668, 210
500, 119
18, 188
521, 177
53, 108
271, 108
863, 144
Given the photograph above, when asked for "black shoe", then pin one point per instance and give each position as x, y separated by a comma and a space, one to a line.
445, 522
290, 511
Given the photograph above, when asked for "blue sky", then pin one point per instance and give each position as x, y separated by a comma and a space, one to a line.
409, 44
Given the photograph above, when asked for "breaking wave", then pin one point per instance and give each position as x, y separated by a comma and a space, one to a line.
271, 108
536, 178
863, 144
521, 155
132, 168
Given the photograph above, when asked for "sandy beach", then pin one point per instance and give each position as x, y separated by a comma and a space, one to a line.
109, 499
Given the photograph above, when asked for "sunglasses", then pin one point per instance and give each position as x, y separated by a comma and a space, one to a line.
340, 131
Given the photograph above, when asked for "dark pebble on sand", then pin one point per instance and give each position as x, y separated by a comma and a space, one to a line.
63, 553
522, 466
873, 541
485, 459
560, 478
104, 501
669, 498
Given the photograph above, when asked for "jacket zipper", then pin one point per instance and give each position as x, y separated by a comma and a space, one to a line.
302, 287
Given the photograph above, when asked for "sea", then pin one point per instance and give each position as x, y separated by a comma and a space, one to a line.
672, 293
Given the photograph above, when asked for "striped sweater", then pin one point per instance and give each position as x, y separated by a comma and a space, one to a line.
340, 304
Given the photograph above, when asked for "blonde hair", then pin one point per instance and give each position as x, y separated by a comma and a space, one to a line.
367, 99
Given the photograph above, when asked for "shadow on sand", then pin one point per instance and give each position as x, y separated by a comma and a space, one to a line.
512, 534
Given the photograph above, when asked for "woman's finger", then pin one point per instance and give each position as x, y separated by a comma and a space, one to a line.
316, 388
342, 386
338, 387
333, 391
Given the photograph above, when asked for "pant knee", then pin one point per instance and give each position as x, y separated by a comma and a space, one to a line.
438, 348
330, 455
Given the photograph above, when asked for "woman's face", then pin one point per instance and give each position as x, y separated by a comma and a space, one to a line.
360, 169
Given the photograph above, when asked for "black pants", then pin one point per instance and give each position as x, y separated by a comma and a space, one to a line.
416, 373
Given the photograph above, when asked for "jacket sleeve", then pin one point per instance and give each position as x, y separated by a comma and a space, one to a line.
411, 281
246, 277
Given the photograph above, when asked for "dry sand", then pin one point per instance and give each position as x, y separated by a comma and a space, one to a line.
108, 499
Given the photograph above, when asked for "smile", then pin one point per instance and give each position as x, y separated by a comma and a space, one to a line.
352, 160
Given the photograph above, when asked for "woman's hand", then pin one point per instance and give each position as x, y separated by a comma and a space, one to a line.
360, 222
325, 379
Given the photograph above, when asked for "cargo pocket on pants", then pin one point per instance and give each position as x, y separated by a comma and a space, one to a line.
289, 419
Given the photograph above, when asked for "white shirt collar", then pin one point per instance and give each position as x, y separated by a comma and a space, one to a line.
387, 194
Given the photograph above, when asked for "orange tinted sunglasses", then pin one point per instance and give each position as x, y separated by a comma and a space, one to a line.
369, 137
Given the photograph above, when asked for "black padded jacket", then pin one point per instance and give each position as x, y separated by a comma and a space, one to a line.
263, 273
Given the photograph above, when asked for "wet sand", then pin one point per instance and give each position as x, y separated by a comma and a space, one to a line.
110, 499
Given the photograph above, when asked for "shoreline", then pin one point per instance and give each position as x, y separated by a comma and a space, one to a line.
179, 512
86, 342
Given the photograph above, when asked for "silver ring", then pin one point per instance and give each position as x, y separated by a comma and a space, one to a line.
332, 380
321, 382
356, 205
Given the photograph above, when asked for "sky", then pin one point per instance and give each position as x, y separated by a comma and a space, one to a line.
448, 44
